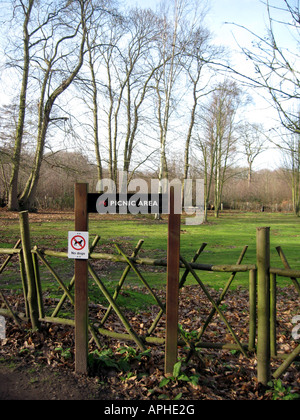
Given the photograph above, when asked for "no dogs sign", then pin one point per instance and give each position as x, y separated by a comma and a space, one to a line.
78, 245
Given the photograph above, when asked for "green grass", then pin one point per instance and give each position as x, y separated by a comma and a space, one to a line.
225, 236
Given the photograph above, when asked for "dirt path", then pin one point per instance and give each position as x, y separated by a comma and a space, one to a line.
44, 383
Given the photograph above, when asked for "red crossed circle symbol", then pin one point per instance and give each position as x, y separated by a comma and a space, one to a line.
78, 242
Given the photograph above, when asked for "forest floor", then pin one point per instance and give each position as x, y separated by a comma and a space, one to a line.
40, 365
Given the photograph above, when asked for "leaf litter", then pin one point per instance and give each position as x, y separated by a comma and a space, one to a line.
40, 365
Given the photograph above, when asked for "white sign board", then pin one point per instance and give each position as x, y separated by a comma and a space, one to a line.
78, 245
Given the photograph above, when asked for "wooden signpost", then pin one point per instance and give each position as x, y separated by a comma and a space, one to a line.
81, 284
88, 203
172, 287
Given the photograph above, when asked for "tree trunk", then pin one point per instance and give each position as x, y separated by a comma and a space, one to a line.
27, 199
249, 173
95, 115
13, 184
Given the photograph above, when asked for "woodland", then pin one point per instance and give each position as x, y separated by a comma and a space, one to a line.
94, 87
91, 88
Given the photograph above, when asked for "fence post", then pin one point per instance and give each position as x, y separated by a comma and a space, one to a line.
273, 314
252, 308
81, 284
172, 287
31, 286
263, 304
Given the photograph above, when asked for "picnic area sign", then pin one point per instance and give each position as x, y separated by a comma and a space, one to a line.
128, 203
140, 202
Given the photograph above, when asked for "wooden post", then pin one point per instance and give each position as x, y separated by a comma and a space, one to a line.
173, 261
252, 309
38, 285
273, 315
31, 286
287, 363
263, 304
81, 285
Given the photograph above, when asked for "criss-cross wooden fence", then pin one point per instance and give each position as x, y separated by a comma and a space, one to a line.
262, 296
293, 275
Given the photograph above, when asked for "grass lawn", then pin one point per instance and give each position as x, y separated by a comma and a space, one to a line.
225, 237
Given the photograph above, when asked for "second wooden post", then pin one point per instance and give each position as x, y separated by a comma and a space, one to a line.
172, 287
263, 304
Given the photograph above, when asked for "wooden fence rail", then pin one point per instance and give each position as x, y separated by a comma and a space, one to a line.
220, 268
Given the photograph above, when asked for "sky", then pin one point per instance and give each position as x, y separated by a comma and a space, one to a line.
220, 20
251, 14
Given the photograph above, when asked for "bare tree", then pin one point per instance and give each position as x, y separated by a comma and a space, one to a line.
291, 163
94, 106
89, 85
252, 141
200, 53
9, 119
225, 104
171, 47
26, 10
53, 50
206, 145
277, 73
218, 141
275, 65
58, 72
126, 66
109, 52
140, 67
